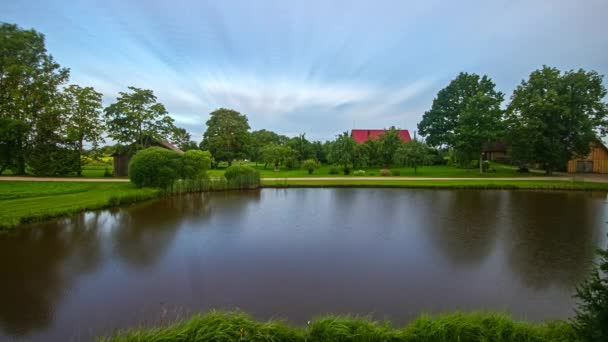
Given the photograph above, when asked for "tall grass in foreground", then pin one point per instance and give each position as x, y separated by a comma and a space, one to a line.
219, 326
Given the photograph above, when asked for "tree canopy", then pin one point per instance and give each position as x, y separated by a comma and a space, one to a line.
554, 116
227, 135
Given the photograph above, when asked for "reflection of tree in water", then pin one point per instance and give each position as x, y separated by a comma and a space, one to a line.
464, 224
38, 267
143, 233
553, 238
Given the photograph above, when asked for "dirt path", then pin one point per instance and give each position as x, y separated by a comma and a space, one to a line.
380, 179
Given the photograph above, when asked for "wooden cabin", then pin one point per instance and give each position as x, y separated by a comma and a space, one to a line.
595, 162
122, 159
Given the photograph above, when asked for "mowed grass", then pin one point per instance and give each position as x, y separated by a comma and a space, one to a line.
476, 327
439, 184
499, 170
22, 202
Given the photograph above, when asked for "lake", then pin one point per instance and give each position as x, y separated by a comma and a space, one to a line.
297, 253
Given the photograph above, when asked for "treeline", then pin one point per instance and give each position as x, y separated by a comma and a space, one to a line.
551, 118
45, 123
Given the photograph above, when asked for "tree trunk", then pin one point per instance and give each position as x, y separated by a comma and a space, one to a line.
80, 158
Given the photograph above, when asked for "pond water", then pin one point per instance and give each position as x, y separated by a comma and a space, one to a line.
297, 253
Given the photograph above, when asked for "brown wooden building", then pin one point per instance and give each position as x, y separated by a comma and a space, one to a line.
595, 162
122, 159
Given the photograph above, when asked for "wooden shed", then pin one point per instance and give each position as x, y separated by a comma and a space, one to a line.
595, 162
122, 159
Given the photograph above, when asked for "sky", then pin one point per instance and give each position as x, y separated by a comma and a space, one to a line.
318, 67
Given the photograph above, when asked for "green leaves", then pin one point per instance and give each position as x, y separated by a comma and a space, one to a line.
227, 135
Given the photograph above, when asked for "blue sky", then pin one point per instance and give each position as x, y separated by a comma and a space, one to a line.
316, 66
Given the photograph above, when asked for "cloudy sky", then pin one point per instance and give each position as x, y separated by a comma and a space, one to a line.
314, 66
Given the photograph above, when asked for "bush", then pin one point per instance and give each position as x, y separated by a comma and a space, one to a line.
396, 172
346, 170
290, 163
385, 172
194, 164
242, 177
154, 167
591, 321
311, 165
485, 166
359, 173
334, 170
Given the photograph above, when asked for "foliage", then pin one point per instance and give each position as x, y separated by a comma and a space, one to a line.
259, 139
385, 172
181, 138
310, 165
51, 159
107, 172
11, 133
227, 135
388, 143
554, 115
302, 148
395, 172
413, 154
237, 326
194, 164
28, 90
242, 177
136, 117
334, 170
359, 173
81, 110
591, 321
464, 116
154, 167
275, 154
343, 151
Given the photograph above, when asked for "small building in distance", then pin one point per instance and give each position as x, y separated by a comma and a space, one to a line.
363, 135
595, 162
497, 151
122, 158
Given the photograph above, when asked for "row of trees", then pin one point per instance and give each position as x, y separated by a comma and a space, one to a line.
551, 117
45, 123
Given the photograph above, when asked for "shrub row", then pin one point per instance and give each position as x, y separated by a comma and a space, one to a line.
218, 326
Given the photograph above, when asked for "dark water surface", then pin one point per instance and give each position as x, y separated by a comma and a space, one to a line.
297, 253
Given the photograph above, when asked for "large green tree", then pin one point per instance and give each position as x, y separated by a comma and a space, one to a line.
554, 116
343, 151
227, 135
82, 117
137, 118
301, 146
181, 138
29, 86
464, 116
388, 143
276, 154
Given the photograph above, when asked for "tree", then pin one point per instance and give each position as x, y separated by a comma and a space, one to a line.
181, 138
464, 116
439, 124
29, 83
591, 321
301, 147
388, 143
310, 165
194, 164
227, 135
259, 139
343, 151
81, 110
11, 133
276, 154
137, 118
413, 154
553, 116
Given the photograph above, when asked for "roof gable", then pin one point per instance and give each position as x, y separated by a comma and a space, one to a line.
362, 135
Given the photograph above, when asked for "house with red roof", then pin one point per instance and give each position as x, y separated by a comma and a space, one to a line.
363, 135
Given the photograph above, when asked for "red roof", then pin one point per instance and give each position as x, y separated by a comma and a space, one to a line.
362, 135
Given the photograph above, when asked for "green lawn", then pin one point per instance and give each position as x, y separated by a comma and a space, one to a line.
498, 170
22, 202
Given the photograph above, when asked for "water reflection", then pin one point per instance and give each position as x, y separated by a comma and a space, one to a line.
300, 252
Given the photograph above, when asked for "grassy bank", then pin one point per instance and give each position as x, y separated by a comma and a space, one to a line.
22, 202
438, 184
217, 326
